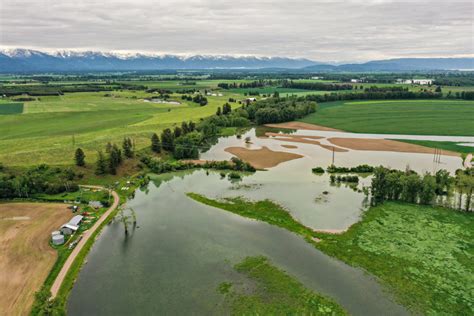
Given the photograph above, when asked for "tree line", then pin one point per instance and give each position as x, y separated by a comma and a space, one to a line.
408, 186
317, 86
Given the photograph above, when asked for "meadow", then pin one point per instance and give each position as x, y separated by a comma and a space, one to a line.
410, 117
51, 127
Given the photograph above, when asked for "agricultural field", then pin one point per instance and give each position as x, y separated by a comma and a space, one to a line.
27, 257
415, 117
51, 127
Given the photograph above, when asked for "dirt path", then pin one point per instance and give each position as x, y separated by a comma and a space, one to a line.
85, 237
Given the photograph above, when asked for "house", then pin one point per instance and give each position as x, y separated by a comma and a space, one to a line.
95, 204
356, 80
248, 100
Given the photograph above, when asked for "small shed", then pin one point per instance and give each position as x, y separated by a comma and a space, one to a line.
58, 239
76, 220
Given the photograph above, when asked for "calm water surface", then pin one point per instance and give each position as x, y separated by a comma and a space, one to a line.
182, 250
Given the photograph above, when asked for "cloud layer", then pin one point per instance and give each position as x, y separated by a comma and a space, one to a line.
319, 30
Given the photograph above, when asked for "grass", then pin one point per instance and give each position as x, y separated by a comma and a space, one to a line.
275, 293
265, 211
11, 108
52, 127
452, 146
423, 253
415, 117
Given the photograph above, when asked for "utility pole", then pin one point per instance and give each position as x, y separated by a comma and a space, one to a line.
333, 155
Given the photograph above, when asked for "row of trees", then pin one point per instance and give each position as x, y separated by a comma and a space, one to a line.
367, 95
317, 86
113, 157
197, 98
408, 186
41, 179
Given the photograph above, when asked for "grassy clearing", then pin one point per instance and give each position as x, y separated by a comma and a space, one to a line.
265, 211
275, 293
452, 146
415, 117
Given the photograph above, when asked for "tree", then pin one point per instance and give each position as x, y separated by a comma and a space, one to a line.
115, 159
185, 127
101, 164
428, 189
177, 132
127, 147
226, 109
167, 140
79, 157
218, 112
155, 143
187, 146
438, 89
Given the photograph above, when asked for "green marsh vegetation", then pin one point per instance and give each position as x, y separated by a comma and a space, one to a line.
451, 146
275, 293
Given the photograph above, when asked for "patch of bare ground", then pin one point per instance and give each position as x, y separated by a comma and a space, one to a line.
262, 158
25, 254
371, 144
305, 140
301, 125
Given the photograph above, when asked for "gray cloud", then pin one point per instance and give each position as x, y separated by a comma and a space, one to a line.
320, 30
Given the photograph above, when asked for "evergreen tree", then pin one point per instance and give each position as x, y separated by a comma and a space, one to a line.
226, 109
177, 132
127, 147
167, 140
185, 128
218, 112
191, 126
155, 143
101, 167
80, 157
115, 159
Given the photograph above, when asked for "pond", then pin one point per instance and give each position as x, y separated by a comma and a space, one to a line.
173, 262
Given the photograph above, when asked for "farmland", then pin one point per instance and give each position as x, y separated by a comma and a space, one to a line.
416, 117
26, 255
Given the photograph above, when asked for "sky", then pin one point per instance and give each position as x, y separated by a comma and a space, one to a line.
320, 30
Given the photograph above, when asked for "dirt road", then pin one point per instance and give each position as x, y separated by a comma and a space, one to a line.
85, 237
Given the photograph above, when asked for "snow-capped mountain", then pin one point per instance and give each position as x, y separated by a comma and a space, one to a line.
18, 60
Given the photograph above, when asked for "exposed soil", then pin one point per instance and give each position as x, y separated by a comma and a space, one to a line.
301, 125
25, 254
305, 140
384, 145
262, 158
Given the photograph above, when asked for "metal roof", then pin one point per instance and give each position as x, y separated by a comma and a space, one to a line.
76, 220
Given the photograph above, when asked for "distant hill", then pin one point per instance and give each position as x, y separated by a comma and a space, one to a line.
401, 64
26, 60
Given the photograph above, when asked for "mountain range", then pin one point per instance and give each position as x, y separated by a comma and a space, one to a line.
27, 60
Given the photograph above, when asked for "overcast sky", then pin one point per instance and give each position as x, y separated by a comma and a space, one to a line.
320, 30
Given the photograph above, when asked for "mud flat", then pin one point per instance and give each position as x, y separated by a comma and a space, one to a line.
301, 125
384, 145
262, 158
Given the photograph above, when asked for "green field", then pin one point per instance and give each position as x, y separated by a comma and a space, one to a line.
7, 108
415, 117
52, 127
452, 146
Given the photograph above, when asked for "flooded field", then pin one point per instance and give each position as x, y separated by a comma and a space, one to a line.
173, 262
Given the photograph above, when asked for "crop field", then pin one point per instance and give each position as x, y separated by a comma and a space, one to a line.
11, 108
51, 127
417, 117
26, 255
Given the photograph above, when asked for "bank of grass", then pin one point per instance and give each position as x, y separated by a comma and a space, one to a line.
265, 211
275, 293
409, 117
423, 254
451, 146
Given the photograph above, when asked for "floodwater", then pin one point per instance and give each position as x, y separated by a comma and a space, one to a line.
173, 262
